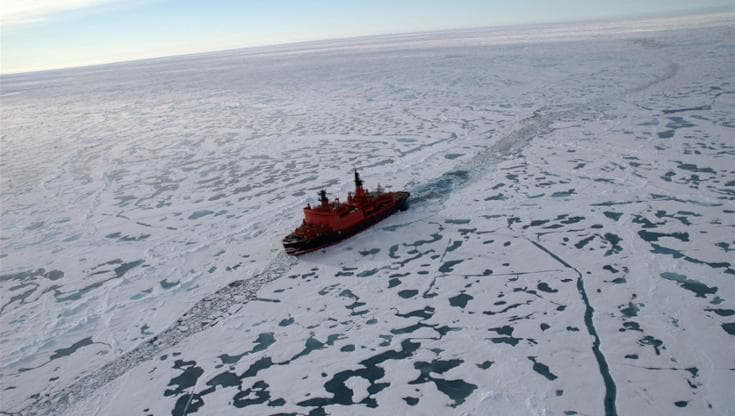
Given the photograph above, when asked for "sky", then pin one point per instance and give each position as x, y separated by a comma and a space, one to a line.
48, 34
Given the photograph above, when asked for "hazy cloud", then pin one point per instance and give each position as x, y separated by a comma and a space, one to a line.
26, 11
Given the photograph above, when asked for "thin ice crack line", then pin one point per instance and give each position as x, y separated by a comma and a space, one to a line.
610, 388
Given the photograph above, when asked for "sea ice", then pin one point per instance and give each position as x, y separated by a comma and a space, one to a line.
569, 248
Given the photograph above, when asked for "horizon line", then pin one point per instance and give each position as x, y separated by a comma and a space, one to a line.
713, 11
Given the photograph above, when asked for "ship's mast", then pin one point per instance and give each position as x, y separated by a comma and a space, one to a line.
359, 191
323, 198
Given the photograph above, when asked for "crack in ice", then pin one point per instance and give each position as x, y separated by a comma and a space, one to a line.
610, 388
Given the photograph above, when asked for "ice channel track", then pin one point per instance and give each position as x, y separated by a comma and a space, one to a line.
228, 300
206, 313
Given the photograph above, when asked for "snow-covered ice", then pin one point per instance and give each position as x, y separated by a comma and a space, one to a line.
568, 250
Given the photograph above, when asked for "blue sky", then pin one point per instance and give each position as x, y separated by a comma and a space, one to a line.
45, 34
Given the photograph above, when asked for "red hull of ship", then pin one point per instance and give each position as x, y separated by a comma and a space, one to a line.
332, 221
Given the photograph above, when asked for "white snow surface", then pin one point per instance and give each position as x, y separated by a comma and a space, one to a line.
568, 249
